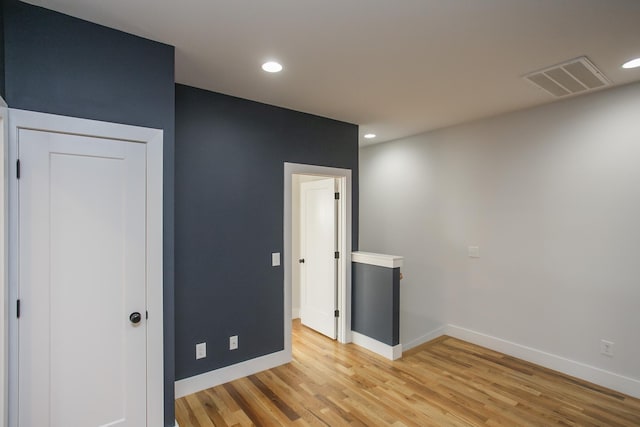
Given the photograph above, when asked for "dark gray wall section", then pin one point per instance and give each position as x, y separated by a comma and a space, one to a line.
230, 156
62, 65
376, 302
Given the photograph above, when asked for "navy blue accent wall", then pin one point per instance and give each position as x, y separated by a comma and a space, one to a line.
230, 156
375, 303
62, 65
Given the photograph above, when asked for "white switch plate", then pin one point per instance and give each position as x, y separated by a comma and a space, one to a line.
474, 251
275, 259
201, 350
233, 342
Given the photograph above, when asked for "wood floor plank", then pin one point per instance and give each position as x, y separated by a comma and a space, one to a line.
200, 417
446, 382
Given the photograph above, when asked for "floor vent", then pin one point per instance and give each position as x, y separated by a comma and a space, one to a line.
575, 76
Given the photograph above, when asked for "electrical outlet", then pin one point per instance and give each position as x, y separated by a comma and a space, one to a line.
275, 259
606, 348
201, 350
233, 342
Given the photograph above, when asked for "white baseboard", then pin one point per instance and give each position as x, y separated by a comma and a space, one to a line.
384, 350
620, 383
438, 332
626, 385
229, 373
295, 313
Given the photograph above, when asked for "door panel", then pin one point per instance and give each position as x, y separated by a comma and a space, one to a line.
318, 243
82, 231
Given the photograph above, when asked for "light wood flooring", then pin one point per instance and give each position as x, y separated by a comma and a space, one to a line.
446, 382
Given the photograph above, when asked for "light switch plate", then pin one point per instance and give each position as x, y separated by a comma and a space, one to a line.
275, 259
474, 251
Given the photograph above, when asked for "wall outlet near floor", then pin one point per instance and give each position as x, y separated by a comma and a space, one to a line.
233, 342
201, 350
275, 259
606, 348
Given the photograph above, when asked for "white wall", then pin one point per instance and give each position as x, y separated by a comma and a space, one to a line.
551, 195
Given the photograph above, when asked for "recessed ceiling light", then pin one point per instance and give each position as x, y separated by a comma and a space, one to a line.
370, 135
634, 63
272, 67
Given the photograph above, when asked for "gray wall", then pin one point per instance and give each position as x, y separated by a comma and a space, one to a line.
62, 65
551, 195
230, 156
375, 303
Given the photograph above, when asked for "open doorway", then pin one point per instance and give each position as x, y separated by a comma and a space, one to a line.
315, 244
296, 177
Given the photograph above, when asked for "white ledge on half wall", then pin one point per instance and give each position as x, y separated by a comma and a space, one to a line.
381, 260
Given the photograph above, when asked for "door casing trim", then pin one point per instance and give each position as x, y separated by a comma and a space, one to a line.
4, 329
153, 139
344, 266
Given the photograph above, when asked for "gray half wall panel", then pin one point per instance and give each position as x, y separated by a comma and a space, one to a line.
376, 302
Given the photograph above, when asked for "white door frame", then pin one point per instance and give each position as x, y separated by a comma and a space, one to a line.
4, 344
344, 266
153, 139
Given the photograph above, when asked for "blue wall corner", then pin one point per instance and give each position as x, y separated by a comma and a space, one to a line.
230, 156
57, 64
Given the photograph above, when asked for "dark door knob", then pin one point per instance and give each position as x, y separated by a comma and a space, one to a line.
135, 317
301, 260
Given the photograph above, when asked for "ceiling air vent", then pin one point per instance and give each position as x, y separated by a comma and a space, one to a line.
572, 77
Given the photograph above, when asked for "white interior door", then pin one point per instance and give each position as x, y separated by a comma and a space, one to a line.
82, 274
318, 293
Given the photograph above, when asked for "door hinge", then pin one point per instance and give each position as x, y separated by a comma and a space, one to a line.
18, 169
146, 314
336, 313
18, 309
336, 255
337, 196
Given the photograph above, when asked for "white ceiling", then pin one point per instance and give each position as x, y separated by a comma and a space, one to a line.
394, 67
